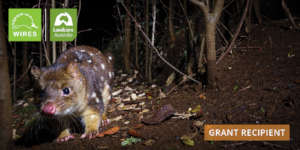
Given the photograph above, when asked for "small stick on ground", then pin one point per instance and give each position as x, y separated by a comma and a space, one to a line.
274, 145
184, 79
234, 144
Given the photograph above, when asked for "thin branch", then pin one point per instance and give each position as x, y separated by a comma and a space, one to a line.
289, 14
85, 30
187, 20
236, 33
44, 30
152, 39
220, 23
154, 21
25, 72
155, 49
222, 35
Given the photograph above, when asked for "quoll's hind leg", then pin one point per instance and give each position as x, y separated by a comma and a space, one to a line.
65, 136
91, 118
106, 96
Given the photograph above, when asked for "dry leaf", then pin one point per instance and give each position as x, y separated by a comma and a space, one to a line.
110, 131
202, 96
187, 140
117, 92
133, 132
138, 126
161, 94
133, 96
127, 88
196, 109
149, 142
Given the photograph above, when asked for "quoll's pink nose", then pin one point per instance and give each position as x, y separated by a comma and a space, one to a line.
49, 108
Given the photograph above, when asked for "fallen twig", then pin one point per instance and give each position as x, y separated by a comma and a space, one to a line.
234, 144
274, 145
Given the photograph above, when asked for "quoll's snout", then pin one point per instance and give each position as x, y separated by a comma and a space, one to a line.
49, 108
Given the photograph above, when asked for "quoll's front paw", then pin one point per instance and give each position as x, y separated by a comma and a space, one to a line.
91, 119
64, 136
64, 139
90, 134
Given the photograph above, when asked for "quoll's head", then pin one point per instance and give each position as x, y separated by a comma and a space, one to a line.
64, 88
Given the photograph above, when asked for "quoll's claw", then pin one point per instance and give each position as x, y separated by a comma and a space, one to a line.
89, 135
105, 122
64, 139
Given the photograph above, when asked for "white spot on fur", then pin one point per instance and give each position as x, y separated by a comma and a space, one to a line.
93, 95
110, 58
91, 54
106, 94
89, 61
82, 50
95, 68
103, 66
109, 74
97, 100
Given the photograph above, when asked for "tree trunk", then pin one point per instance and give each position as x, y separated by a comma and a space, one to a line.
25, 62
48, 31
53, 43
5, 93
248, 23
126, 49
256, 5
211, 19
171, 26
64, 44
147, 52
152, 39
136, 42
211, 52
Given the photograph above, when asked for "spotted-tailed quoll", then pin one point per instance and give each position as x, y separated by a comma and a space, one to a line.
78, 83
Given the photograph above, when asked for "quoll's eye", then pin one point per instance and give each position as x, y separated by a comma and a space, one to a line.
66, 91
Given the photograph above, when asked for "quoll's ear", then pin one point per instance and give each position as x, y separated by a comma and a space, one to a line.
73, 70
36, 72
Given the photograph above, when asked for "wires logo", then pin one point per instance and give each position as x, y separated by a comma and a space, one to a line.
24, 24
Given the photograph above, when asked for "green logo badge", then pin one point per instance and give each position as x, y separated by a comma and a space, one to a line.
63, 24
24, 24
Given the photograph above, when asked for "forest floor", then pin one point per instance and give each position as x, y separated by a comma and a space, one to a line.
259, 83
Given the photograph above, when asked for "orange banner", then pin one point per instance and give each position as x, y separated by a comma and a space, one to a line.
247, 132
